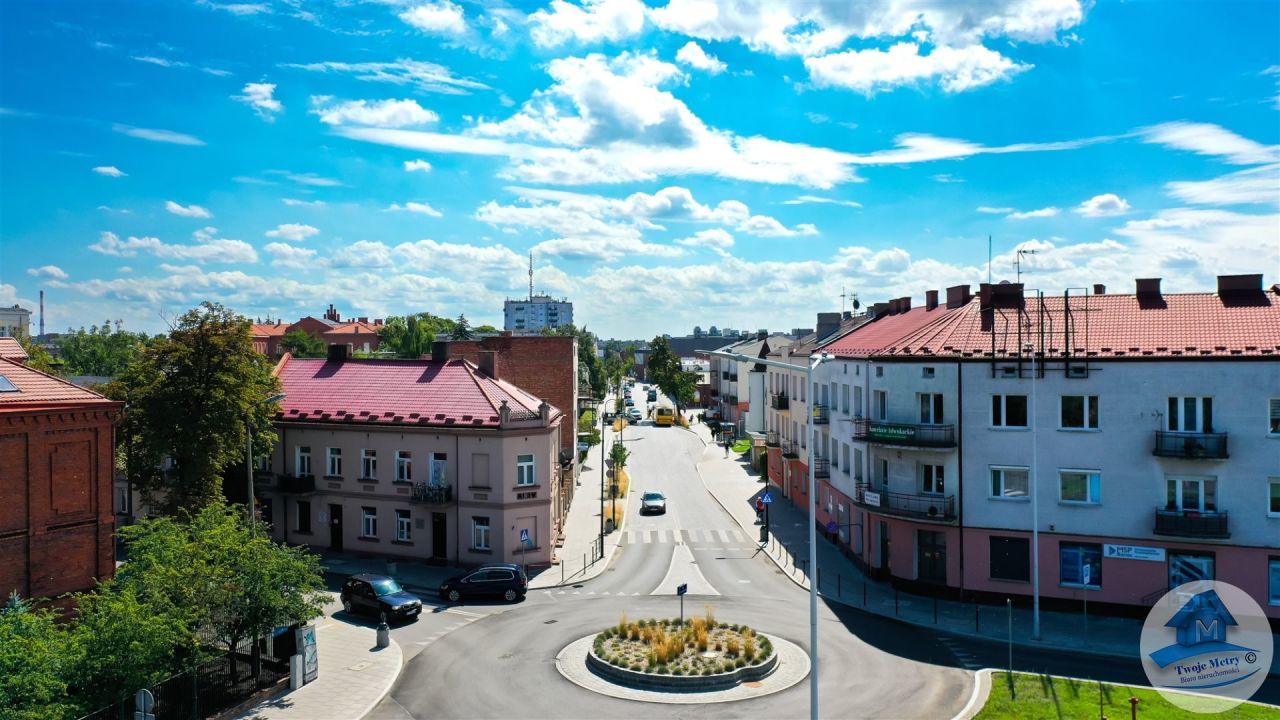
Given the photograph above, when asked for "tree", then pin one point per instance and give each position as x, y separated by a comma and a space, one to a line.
100, 350
462, 329
302, 344
619, 454
665, 371
189, 397
588, 430
486, 329
37, 357
33, 659
588, 363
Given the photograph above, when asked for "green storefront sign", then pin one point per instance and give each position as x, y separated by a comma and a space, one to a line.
892, 433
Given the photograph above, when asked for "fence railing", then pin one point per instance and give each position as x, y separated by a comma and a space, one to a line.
934, 507
431, 494
1206, 446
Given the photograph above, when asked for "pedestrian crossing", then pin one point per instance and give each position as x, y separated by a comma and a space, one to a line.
688, 537
958, 651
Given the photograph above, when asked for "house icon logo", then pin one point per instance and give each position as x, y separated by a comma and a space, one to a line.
1208, 638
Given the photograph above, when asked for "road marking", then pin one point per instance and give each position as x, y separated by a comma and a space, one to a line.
684, 569
464, 613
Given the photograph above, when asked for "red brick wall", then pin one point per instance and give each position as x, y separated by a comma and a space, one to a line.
56, 512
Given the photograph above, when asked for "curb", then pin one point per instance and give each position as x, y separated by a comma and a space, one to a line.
978, 698
395, 679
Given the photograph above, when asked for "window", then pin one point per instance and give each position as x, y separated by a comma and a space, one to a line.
857, 401
369, 464
1273, 581
926, 372
439, 468
844, 460
368, 522
857, 465
404, 466
303, 516
931, 479
1273, 497
403, 526
524, 470
334, 467
880, 405
1010, 559
1190, 414
835, 448
879, 371
1009, 411
1080, 486
480, 533
122, 500
1080, 564
1010, 482
1079, 412
844, 399
930, 408
302, 465
884, 472
1197, 494
1274, 411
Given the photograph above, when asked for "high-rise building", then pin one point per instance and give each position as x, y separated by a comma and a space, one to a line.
535, 313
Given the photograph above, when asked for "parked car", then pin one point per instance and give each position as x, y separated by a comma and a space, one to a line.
635, 415
494, 580
653, 502
379, 594
630, 402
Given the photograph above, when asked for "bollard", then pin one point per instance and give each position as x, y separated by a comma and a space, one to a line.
977, 619
864, 593
384, 632
1133, 708
561, 573
838, 591
819, 578
895, 602
935, 610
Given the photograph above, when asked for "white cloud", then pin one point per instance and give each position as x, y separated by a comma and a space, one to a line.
871, 71
994, 210
162, 62
377, 113
765, 226
592, 21
603, 249
804, 199
1214, 140
290, 256
294, 202
191, 211
1103, 205
695, 57
216, 72
442, 18
164, 136
293, 232
237, 8
364, 253
310, 179
52, 272
208, 248
417, 166
715, 239
1041, 213
116, 211
1253, 185
1275, 70
259, 97
426, 76
1193, 245
946, 178
109, 171
415, 207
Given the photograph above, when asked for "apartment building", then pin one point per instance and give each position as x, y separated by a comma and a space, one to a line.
535, 313
1138, 433
440, 461
15, 321
734, 382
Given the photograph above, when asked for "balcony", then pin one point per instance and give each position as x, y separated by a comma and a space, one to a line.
821, 468
928, 507
264, 478
427, 494
1191, 446
779, 401
821, 415
1191, 524
790, 449
904, 434
297, 484
771, 438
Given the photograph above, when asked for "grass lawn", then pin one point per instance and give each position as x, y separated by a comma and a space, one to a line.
1044, 696
741, 446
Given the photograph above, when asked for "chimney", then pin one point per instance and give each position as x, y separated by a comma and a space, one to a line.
488, 363
1148, 287
847, 315
1239, 284
338, 352
893, 306
878, 309
332, 314
828, 322
377, 322
958, 296
1099, 289
439, 351
930, 299
904, 304
364, 320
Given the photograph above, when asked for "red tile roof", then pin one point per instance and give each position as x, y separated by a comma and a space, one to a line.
352, 327
403, 392
268, 329
871, 338
11, 349
1166, 326
36, 389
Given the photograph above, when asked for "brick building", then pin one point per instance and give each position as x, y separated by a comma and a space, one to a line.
56, 469
359, 335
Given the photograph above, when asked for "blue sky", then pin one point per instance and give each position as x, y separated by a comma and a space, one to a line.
686, 162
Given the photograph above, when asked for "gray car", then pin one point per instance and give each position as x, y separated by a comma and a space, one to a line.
653, 502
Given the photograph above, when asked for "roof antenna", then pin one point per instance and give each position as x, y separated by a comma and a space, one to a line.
530, 276
1017, 263
988, 259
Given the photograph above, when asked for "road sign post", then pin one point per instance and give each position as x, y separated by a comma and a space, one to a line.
145, 705
525, 542
681, 589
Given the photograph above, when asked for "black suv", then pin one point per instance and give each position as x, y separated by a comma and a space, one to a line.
495, 580
378, 594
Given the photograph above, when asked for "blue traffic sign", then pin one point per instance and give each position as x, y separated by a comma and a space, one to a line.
524, 535
682, 588
767, 499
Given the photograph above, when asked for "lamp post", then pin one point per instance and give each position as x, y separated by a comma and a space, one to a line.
248, 423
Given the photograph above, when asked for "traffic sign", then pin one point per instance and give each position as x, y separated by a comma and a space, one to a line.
682, 588
832, 527
524, 536
767, 499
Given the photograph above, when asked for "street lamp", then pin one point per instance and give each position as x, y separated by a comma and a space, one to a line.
248, 423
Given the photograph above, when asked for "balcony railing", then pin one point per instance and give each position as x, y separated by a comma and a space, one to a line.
821, 415
779, 401
428, 494
771, 438
931, 507
1191, 523
297, 484
790, 449
887, 433
821, 468
1198, 446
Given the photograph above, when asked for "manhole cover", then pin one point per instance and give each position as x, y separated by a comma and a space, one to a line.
362, 665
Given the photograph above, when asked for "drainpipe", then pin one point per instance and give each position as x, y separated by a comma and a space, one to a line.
960, 467
457, 504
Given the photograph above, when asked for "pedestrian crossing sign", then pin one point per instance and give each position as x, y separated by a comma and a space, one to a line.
767, 499
524, 536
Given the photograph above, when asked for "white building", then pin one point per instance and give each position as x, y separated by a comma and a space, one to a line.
534, 314
15, 321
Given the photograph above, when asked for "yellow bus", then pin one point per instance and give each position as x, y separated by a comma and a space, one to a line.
664, 416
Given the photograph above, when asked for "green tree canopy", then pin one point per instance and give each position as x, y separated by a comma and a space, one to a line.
37, 357
303, 344
664, 370
33, 664
100, 350
188, 398
462, 329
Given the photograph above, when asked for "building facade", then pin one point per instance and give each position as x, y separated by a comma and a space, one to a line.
535, 313
57, 463
15, 322
359, 335
430, 460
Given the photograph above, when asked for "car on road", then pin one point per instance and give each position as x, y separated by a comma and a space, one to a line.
653, 502
634, 415
378, 595
653, 395
630, 402
493, 580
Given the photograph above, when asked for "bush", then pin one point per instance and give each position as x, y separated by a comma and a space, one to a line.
662, 670
740, 662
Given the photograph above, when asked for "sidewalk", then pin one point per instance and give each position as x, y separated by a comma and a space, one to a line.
735, 486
